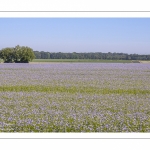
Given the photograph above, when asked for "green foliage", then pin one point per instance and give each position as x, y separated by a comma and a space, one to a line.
18, 54
90, 55
26, 54
7, 54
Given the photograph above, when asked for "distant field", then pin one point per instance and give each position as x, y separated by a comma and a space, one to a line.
82, 60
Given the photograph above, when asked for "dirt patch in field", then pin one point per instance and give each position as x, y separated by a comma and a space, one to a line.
145, 62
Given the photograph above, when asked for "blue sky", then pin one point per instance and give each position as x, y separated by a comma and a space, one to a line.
127, 35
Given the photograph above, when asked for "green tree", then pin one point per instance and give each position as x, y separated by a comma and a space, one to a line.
37, 55
7, 55
18, 54
26, 54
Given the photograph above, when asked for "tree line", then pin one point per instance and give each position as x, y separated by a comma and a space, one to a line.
90, 55
24, 54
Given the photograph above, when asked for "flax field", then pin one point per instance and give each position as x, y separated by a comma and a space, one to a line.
75, 97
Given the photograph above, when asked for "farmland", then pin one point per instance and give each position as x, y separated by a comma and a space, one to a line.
82, 60
75, 97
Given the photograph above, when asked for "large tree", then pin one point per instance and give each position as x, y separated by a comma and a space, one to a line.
7, 54
26, 54
18, 54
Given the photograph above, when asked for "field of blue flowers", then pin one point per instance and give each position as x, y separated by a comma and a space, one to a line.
75, 97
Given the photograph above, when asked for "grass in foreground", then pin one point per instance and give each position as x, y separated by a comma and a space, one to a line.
62, 112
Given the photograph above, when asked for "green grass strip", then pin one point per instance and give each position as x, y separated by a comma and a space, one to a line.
82, 60
73, 89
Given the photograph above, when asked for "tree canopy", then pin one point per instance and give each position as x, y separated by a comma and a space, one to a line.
90, 55
18, 54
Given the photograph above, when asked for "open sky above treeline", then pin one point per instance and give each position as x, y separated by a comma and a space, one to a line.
124, 35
